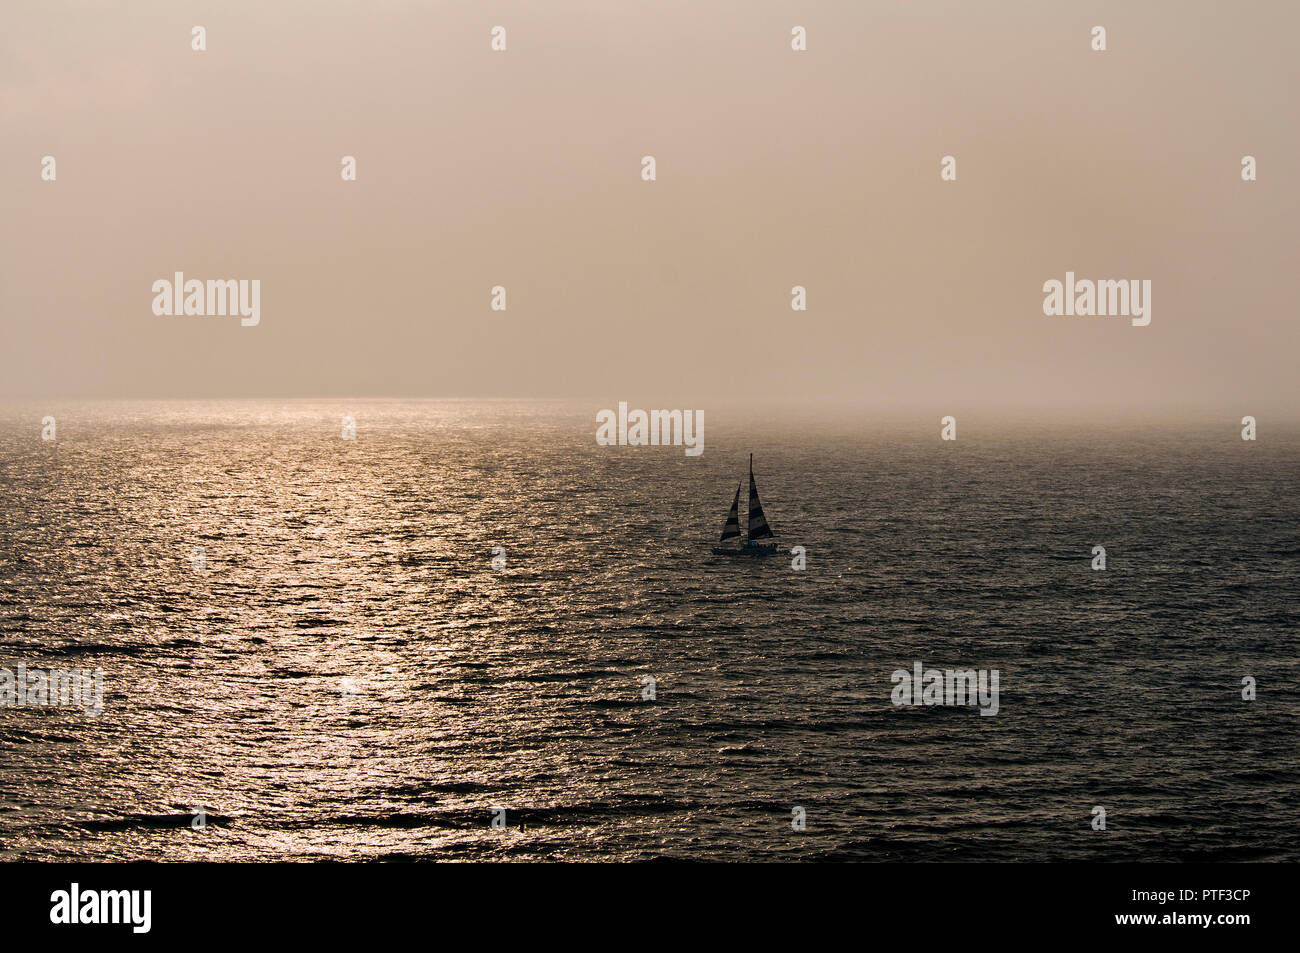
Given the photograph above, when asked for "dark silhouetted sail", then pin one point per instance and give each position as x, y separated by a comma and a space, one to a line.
758, 528
732, 529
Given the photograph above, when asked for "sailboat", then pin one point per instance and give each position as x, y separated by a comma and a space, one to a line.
756, 526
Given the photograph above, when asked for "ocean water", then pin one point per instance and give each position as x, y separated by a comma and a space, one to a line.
346, 676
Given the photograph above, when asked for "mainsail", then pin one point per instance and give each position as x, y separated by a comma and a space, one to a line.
732, 529
758, 528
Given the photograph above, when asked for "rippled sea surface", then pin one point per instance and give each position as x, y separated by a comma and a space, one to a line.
346, 676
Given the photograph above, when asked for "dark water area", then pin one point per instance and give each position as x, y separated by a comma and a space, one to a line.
344, 674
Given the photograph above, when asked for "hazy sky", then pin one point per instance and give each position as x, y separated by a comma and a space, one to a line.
775, 168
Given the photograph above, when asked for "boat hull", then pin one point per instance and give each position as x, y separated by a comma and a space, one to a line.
751, 551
